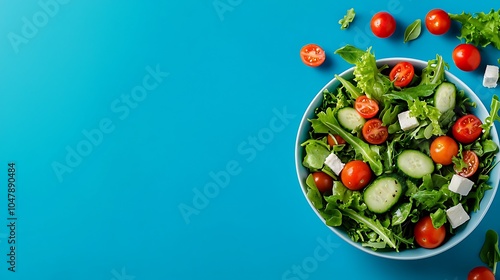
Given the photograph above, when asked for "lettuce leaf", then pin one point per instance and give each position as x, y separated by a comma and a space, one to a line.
369, 79
480, 29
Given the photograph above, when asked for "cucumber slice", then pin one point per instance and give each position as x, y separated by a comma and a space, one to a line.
382, 194
350, 119
415, 164
445, 97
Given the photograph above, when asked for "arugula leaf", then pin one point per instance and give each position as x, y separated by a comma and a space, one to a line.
313, 193
413, 30
490, 253
385, 234
347, 19
401, 213
438, 218
361, 147
427, 198
434, 72
412, 93
480, 29
488, 122
353, 91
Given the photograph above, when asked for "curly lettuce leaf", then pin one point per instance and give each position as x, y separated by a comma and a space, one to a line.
480, 29
347, 19
369, 79
424, 111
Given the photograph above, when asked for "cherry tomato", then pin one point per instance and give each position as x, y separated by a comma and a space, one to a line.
402, 74
466, 57
356, 175
366, 107
443, 149
383, 24
472, 162
481, 273
427, 235
374, 132
312, 55
467, 129
437, 22
323, 181
335, 140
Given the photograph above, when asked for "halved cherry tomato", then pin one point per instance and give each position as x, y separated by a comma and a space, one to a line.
481, 273
366, 107
402, 74
472, 162
466, 57
312, 55
467, 129
383, 24
437, 21
427, 235
323, 181
443, 149
335, 140
356, 175
374, 132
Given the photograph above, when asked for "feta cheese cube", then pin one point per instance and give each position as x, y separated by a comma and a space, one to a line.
406, 122
456, 215
460, 185
334, 163
490, 76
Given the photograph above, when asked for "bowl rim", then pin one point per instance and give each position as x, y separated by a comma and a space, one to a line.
422, 253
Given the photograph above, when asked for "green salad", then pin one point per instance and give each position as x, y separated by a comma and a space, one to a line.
395, 149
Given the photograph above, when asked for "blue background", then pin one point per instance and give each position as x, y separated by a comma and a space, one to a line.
229, 70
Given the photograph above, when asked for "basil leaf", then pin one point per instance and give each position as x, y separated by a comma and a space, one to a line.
489, 253
350, 54
413, 31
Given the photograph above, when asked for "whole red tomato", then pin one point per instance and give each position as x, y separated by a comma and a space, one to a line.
383, 24
466, 57
427, 235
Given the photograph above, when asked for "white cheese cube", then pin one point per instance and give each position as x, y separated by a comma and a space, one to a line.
406, 122
456, 215
460, 185
490, 76
334, 163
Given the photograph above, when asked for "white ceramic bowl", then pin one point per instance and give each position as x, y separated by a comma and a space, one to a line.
411, 254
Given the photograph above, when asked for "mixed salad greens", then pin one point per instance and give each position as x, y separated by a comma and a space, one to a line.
404, 185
